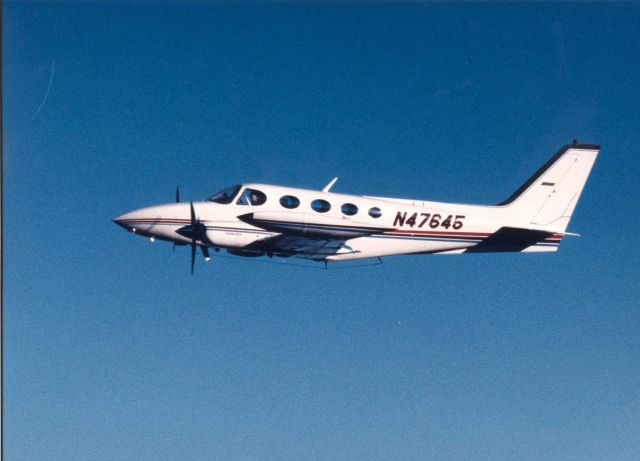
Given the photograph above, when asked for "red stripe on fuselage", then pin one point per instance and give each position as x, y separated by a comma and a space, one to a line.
438, 234
157, 220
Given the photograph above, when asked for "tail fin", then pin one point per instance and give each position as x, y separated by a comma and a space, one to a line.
549, 197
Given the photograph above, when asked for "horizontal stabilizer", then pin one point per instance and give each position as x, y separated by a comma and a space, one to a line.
514, 239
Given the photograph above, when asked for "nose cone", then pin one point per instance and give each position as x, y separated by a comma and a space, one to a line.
155, 221
127, 221
121, 223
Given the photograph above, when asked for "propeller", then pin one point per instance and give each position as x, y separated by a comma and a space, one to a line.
177, 201
195, 231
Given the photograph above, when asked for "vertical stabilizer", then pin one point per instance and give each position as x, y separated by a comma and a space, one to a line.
549, 197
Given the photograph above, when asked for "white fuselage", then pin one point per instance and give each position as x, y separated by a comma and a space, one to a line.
401, 226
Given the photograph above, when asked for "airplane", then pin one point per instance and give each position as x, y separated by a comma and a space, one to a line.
319, 225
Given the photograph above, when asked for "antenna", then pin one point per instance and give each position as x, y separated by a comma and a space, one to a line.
330, 185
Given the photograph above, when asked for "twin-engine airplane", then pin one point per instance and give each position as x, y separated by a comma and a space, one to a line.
260, 219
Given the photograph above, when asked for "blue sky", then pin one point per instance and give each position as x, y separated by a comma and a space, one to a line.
113, 351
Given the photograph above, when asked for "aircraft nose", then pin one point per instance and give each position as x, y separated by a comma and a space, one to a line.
121, 223
125, 221
150, 221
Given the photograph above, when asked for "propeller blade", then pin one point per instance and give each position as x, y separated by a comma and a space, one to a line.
177, 194
205, 252
196, 231
193, 255
193, 236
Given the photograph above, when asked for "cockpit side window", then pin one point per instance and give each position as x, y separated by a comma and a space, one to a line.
251, 197
225, 196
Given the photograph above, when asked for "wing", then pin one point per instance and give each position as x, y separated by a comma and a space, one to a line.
311, 226
305, 236
300, 247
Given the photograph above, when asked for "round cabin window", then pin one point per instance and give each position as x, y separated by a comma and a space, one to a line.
349, 209
289, 201
321, 206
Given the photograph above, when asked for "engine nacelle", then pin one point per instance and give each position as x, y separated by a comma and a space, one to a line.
232, 239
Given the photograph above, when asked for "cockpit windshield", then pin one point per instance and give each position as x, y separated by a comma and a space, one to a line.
225, 196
